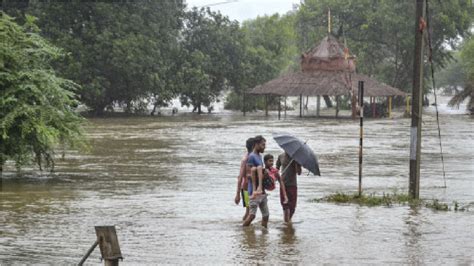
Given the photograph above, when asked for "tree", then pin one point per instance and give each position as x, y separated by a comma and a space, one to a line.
36, 106
467, 63
381, 33
121, 53
212, 55
451, 77
196, 82
269, 50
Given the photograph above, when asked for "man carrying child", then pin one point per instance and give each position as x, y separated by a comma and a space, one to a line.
258, 197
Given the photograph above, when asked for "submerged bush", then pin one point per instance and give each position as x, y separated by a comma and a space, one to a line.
388, 200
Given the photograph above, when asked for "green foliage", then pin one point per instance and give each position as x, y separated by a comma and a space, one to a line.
467, 65
451, 78
388, 200
120, 53
367, 200
381, 33
212, 53
436, 205
270, 49
36, 106
234, 101
136, 53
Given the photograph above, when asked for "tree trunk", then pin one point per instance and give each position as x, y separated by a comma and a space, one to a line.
128, 109
99, 110
328, 101
154, 109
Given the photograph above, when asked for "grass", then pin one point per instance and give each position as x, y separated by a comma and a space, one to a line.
388, 199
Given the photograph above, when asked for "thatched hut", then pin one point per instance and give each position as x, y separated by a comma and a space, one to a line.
326, 70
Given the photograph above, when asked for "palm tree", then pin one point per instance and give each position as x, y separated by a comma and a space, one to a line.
460, 97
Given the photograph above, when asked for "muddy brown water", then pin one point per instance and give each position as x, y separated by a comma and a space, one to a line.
168, 184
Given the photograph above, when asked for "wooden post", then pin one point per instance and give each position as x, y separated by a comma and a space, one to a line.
318, 106
88, 253
373, 106
337, 106
285, 106
109, 245
279, 107
361, 132
389, 106
415, 134
407, 110
301, 105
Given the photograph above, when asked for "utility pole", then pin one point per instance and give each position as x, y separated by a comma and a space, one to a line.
416, 112
361, 138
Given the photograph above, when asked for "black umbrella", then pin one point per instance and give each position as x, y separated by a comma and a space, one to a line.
298, 151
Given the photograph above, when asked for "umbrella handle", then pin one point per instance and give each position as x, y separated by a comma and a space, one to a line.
286, 168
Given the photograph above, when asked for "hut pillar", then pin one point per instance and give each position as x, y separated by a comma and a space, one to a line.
389, 106
318, 106
407, 110
337, 106
266, 105
279, 107
373, 107
301, 105
243, 103
353, 105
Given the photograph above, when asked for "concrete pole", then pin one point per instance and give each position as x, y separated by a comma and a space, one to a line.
415, 134
361, 132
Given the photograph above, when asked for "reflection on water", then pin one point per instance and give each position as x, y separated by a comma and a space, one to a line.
413, 234
168, 184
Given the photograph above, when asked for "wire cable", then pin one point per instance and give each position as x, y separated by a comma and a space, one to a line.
430, 57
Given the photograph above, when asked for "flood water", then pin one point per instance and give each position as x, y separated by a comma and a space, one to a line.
168, 184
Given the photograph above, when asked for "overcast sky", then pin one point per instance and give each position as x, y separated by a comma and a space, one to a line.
246, 9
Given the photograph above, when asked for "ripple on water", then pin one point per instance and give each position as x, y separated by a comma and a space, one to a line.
168, 184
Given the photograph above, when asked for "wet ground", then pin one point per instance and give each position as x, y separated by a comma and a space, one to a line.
168, 184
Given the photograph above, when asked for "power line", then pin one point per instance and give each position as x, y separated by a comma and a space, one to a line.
219, 3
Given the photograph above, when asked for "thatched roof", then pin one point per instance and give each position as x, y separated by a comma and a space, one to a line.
331, 83
326, 69
330, 54
374, 88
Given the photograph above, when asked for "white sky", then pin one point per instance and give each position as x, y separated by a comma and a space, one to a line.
246, 9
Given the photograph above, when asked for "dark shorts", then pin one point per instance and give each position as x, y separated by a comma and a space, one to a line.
292, 194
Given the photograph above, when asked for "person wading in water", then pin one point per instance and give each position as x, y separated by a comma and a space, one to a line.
289, 178
258, 198
243, 178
